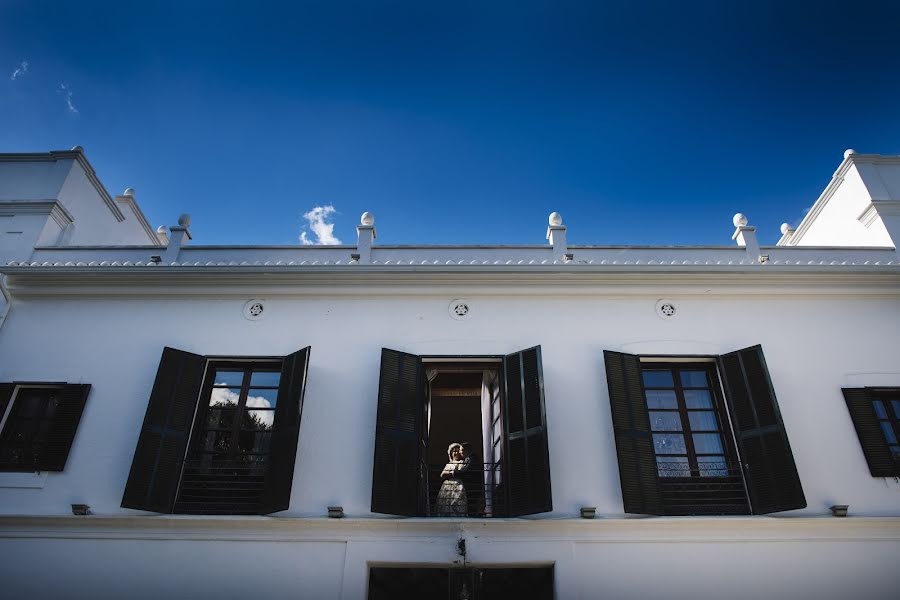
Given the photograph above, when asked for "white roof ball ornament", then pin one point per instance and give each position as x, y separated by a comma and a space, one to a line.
849, 152
161, 229
739, 220
555, 219
184, 220
785, 228
128, 192
367, 219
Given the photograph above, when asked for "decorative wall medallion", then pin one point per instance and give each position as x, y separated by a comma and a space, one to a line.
254, 310
666, 309
460, 309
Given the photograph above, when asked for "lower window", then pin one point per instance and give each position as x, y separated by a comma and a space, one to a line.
876, 416
393, 583
38, 424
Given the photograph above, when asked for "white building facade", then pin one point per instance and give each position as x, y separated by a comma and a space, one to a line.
639, 421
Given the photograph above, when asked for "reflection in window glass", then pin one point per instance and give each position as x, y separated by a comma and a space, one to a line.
712, 466
673, 466
888, 431
261, 398
697, 399
703, 420
265, 379
229, 377
878, 405
708, 443
696, 379
669, 443
224, 396
665, 421
661, 399
657, 378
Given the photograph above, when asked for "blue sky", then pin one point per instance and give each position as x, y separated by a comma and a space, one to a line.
462, 122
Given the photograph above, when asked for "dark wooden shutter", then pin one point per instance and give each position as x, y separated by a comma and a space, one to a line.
395, 475
634, 442
159, 456
285, 433
6, 390
875, 448
769, 468
527, 455
54, 452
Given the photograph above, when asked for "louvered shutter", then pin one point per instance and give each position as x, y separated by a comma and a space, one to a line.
6, 391
875, 448
285, 433
527, 456
769, 468
395, 475
159, 456
634, 442
55, 450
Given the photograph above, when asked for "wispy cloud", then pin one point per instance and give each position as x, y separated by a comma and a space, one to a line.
317, 222
66, 92
20, 70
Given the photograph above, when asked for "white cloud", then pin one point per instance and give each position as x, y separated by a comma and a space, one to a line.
323, 231
20, 70
66, 92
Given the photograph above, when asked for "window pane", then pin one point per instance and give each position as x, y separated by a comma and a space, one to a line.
257, 398
888, 433
694, 379
254, 441
219, 418
668, 443
229, 377
673, 466
661, 399
895, 450
30, 406
224, 396
658, 379
703, 421
712, 466
697, 399
217, 441
879, 409
265, 378
665, 421
896, 405
258, 419
708, 443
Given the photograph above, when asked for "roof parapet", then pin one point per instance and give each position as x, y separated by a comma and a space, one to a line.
745, 236
180, 236
365, 237
556, 234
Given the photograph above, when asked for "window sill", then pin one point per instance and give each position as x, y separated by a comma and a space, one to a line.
23, 480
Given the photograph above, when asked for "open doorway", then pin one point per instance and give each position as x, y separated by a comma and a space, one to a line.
462, 422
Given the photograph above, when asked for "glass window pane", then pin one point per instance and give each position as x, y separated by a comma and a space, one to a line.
258, 419
896, 405
229, 377
708, 443
669, 443
657, 378
661, 399
217, 441
219, 418
697, 399
673, 466
29, 406
665, 421
879, 409
265, 378
257, 398
888, 432
224, 396
895, 450
712, 466
703, 420
254, 441
694, 379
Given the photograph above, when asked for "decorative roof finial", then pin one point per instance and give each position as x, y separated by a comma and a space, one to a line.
555, 219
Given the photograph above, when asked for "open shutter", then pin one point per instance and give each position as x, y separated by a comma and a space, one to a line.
6, 391
285, 433
875, 448
54, 452
395, 476
634, 442
769, 468
158, 458
527, 454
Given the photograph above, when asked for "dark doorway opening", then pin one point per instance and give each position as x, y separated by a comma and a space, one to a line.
390, 583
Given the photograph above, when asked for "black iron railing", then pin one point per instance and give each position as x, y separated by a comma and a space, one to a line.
712, 488
474, 490
220, 487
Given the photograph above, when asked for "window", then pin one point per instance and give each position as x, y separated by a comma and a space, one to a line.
219, 436
876, 416
700, 436
38, 424
495, 404
462, 583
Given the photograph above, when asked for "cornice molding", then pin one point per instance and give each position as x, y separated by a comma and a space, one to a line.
37, 207
142, 220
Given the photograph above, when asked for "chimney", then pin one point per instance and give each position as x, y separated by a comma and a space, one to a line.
180, 236
556, 234
365, 236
